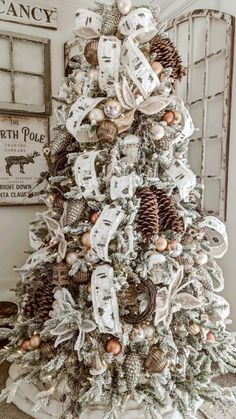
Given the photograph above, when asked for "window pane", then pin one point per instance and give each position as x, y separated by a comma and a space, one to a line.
217, 42
213, 165
5, 86
196, 112
198, 38
214, 116
29, 89
197, 82
28, 56
195, 157
212, 195
5, 52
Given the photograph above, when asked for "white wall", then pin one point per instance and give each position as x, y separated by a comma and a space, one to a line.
14, 221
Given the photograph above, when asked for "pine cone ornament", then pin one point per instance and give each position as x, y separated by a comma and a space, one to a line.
207, 283
40, 302
81, 278
132, 367
148, 213
47, 351
75, 211
111, 17
168, 217
167, 54
155, 361
60, 142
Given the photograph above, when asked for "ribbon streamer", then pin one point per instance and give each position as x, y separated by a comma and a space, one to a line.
124, 186
139, 22
87, 24
183, 177
109, 50
216, 234
86, 177
105, 304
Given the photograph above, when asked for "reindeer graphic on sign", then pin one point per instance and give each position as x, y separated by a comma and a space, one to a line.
20, 160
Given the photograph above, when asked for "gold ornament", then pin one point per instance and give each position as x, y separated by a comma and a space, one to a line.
194, 329
35, 341
132, 370
107, 131
155, 361
91, 53
71, 258
161, 244
113, 346
86, 239
157, 67
25, 345
124, 6
112, 109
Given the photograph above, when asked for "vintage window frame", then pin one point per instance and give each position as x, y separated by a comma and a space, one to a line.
227, 93
27, 109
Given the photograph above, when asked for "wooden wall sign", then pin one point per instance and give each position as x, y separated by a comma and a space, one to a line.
22, 139
21, 11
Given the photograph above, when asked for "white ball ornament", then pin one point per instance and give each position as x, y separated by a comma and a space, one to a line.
158, 132
137, 335
124, 6
91, 257
201, 258
175, 249
96, 115
149, 332
112, 109
71, 258
93, 74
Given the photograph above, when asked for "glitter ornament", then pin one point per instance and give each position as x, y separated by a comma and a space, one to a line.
113, 346
169, 117
155, 361
112, 109
175, 248
201, 258
35, 341
91, 53
96, 115
157, 132
161, 244
107, 131
124, 6
86, 239
137, 335
111, 17
25, 345
81, 278
71, 258
132, 370
157, 67
60, 142
75, 211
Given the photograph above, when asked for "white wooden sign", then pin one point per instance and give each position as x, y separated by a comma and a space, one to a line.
22, 11
21, 157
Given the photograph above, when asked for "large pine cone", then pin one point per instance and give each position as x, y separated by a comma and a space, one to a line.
167, 54
132, 367
168, 216
148, 213
155, 361
75, 211
40, 302
60, 142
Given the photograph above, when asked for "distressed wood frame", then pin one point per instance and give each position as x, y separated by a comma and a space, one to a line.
226, 93
14, 108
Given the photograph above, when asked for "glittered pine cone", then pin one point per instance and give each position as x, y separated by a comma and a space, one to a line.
81, 278
167, 54
111, 17
132, 370
75, 211
60, 142
148, 213
168, 216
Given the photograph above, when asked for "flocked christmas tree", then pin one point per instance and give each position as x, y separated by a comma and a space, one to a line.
119, 297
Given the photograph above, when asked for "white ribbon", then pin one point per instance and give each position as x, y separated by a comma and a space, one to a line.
86, 177
216, 234
109, 49
139, 22
87, 24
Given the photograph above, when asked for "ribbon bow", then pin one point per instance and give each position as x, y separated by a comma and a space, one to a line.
69, 320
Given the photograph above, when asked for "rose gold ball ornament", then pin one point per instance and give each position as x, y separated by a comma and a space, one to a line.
94, 217
112, 109
71, 258
91, 53
137, 335
25, 345
113, 346
158, 132
175, 248
86, 239
169, 117
211, 337
124, 6
201, 258
149, 331
161, 244
96, 115
35, 341
178, 118
107, 131
157, 68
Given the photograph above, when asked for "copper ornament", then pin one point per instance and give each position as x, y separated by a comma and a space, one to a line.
107, 131
91, 53
156, 360
113, 346
169, 117
81, 278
